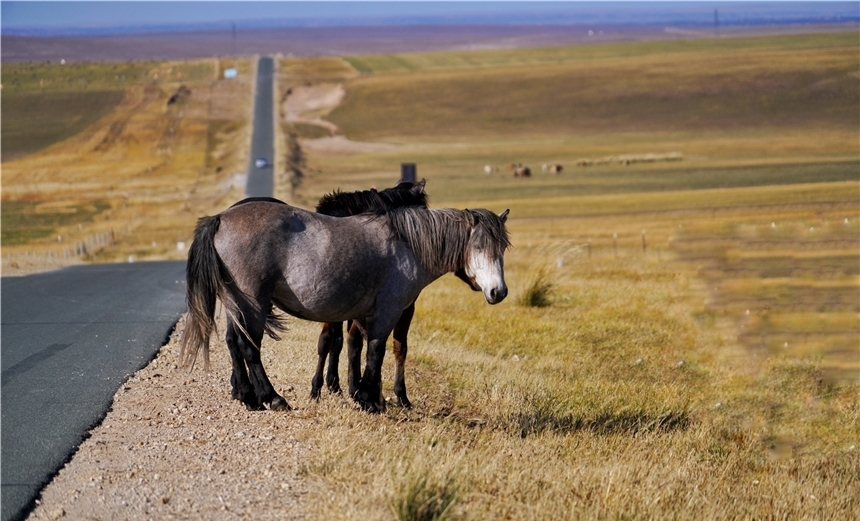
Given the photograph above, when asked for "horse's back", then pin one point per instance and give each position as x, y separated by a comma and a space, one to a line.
320, 267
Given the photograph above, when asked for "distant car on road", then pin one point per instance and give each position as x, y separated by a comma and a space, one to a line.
261, 162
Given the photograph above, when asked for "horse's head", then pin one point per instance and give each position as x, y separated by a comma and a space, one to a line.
484, 266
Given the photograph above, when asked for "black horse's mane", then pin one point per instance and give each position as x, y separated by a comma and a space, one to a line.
344, 204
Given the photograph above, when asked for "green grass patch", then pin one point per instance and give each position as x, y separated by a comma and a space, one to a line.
77, 76
582, 90
609, 52
320, 68
34, 121
28, 221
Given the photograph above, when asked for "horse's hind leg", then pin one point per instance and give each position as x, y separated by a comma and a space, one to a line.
401, 330
332, 379
242, 389
354, 343
323, 349
248, 348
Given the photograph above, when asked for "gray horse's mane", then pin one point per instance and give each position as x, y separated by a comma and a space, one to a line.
439, 237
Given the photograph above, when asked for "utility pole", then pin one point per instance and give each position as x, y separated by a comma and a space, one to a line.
716, 23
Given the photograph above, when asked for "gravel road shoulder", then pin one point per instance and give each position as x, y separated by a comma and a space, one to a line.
174, 445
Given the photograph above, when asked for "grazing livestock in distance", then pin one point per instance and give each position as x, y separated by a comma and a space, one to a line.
629, 159
489, 169
553, 168
520, 170
259, 255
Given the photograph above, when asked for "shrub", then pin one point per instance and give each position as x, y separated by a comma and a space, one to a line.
538, 289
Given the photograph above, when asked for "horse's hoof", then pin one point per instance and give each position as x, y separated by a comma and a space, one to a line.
372, 407
315, 394
249, 400
279, 404
333, 385
368, 404
404, 402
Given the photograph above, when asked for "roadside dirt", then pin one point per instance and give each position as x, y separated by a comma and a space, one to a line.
175, 446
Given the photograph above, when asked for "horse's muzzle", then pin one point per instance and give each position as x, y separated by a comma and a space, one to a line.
496, 295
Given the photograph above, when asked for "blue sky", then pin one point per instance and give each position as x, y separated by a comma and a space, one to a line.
37, 17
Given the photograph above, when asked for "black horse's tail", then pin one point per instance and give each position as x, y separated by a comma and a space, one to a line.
203, 280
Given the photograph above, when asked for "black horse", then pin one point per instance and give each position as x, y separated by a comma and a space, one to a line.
330, 344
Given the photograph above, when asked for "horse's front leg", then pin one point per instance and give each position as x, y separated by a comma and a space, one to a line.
401, 330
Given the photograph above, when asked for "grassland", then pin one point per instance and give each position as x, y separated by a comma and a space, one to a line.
97, 150
35, 121
695, 352
646, 87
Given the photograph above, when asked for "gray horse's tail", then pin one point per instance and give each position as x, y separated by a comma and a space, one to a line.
203, 280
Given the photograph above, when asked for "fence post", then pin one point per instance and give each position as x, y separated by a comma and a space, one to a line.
408, 172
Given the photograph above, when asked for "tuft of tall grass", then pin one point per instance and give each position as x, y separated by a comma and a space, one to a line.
421, 495
538, 289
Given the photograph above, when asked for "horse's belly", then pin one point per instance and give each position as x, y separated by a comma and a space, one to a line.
323, 304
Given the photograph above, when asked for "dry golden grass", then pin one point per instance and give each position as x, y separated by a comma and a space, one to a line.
616, 401
636, 392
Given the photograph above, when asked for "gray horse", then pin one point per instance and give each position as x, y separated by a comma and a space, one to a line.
371, 266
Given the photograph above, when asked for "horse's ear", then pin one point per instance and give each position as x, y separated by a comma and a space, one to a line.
504, 215
419, 186
473, 217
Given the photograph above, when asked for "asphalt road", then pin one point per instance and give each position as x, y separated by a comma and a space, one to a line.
70, 338
261, 180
